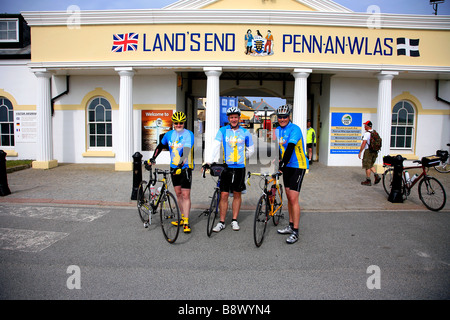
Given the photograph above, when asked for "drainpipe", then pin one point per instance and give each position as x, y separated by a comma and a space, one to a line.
59, 95
437, 94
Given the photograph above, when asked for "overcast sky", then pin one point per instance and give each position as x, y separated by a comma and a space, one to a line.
386, 6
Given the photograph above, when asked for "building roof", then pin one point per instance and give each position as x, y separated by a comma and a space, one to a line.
18, 48
262, 105
303, 5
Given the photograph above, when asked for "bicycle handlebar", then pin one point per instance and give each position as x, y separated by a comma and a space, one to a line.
273, 175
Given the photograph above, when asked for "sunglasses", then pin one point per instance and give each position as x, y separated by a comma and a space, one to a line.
178, 123
283, 117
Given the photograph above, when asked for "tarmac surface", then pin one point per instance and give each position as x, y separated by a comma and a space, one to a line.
324, 189
81, 215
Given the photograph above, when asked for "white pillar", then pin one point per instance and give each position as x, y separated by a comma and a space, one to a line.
212, 114
124, 161
44, 155
300, 107
384, 114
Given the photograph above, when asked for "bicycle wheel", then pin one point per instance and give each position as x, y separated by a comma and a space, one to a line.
142, 201
213, 212
260, 222
277, 205
432, 193
387, 180
444, 167
169, 213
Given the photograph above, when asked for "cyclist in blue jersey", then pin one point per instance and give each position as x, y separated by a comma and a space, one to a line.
180, 143
237, 145
293, 163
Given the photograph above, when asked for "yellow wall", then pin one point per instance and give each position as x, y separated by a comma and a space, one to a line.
94, 43
259, 5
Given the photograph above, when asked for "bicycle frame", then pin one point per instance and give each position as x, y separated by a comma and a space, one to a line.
163, 187
274, 178
423, 174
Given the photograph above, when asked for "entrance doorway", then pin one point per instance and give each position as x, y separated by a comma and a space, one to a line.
258, 95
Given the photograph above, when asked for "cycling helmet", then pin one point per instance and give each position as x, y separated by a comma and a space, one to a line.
283, 110
179, 117
233, 110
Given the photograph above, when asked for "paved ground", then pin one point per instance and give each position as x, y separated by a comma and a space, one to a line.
81, 216
41, 246
324, 188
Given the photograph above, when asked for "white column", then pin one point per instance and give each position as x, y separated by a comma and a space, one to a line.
44, 155
125, 145
300, 107
384, 114
212, 114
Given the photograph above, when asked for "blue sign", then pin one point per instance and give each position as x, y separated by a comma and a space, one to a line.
346, 131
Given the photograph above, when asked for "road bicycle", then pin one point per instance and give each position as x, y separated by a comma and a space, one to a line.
270, 204
431, 192
213, 212
444, 165
149, 202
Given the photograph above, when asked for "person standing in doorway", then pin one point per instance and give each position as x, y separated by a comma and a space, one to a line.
293, 164
310, 139
369, 156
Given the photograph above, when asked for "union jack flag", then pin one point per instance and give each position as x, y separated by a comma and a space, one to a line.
125, 42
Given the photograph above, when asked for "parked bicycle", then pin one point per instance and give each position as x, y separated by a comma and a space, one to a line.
270, 204
444, 165
150, 201
213, 213
431, 192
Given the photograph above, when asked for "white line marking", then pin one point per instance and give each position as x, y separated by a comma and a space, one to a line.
56, 213
28, 240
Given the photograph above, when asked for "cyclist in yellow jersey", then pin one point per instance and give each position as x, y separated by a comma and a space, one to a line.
310, 139
180, 143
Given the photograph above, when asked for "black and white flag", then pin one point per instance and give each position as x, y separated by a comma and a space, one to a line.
408, 47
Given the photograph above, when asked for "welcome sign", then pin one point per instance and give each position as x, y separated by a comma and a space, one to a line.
345, 133
296, 43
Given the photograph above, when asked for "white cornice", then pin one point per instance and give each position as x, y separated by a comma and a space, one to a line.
241, 65
259, 17
322, 5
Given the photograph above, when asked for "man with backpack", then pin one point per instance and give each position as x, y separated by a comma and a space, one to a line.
371, 144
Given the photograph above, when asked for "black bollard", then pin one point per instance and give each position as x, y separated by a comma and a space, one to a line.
137, 174
4, 189
396, 195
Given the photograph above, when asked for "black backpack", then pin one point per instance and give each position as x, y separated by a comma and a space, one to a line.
375, 141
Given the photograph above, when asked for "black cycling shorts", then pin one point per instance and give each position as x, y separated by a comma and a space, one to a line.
184, 179
293, 178
232, 180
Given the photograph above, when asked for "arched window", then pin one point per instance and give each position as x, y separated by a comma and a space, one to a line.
6, 122
403, 125
99, 123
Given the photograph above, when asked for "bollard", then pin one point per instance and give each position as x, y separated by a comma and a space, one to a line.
137, 174
396, 195
4, 189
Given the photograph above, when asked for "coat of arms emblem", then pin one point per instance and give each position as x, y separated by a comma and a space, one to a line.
258, 45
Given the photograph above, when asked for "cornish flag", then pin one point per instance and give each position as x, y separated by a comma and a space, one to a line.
408, 47
125, 42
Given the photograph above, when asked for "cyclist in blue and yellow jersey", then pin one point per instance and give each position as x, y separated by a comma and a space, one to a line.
180, 143
237, 145
293, 163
